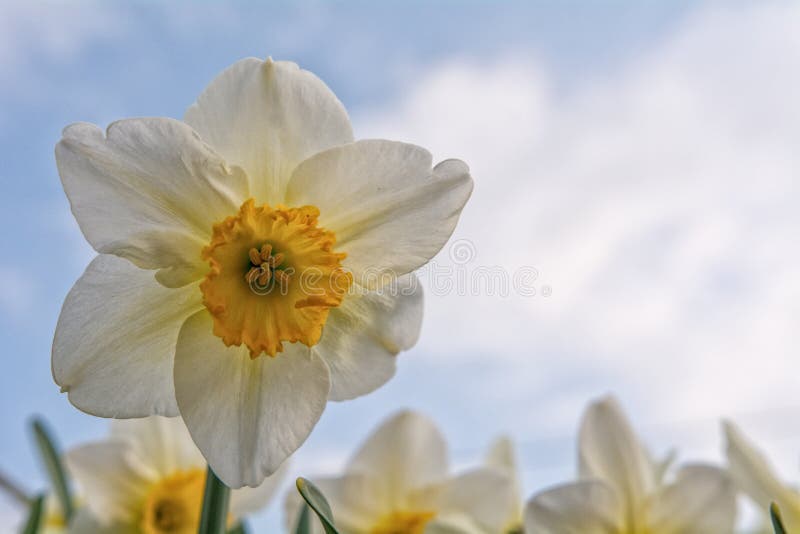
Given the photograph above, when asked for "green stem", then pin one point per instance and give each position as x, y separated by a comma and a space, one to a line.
55, 469
214, 517
35, 521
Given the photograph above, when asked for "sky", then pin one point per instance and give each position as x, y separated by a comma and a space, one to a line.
636, 182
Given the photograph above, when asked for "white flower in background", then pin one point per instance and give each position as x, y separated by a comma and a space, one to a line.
54, 520
399, 483
148, 478
754, 476
621, 490
501, 456
245, 261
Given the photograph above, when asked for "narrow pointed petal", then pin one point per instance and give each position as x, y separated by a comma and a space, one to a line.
609, 450
503, 457
753, 474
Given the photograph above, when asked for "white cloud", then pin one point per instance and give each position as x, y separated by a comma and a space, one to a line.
49, 30
659, 202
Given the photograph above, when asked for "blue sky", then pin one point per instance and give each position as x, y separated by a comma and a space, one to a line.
641, 156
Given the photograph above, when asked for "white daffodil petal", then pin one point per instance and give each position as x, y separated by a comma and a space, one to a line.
750, 469
701, 500
363, 336
485, 495
86, 523
268, 116
162, 443
449, 523
501, 456
609, 450
148, 190
391, 212
406, 452
246, 501
112, 480
753, 474
246, 415
585, 507
115, 340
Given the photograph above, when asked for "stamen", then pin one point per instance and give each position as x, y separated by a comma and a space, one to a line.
270, 307
252, 273
264, 278
311, 302
255, 258
276, 260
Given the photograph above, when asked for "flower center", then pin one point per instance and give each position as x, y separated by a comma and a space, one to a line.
173, 505
403, 523
274, 277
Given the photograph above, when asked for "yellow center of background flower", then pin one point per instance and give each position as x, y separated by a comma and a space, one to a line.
403, 523
55, 521
274, 277
173, 505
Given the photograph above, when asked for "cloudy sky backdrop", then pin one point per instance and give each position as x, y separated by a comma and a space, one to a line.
636, 164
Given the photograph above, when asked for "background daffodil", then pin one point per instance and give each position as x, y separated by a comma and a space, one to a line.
245, 259
756, 478
399, 482
148, 478
502, 456
621, 489
54, 520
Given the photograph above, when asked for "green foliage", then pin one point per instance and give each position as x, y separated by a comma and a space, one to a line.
51, 458
317, 501
777, 521
35, 516
303, 525
217, 496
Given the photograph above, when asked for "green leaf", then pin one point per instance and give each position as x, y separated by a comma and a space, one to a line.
35, 516
317, 501
303, 521
51, 458
217, 496
777, 521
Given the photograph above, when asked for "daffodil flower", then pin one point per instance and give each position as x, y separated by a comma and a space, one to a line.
502, 457
753, 475
148, 477
54, 520
249, 266
399, 483
621, 489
